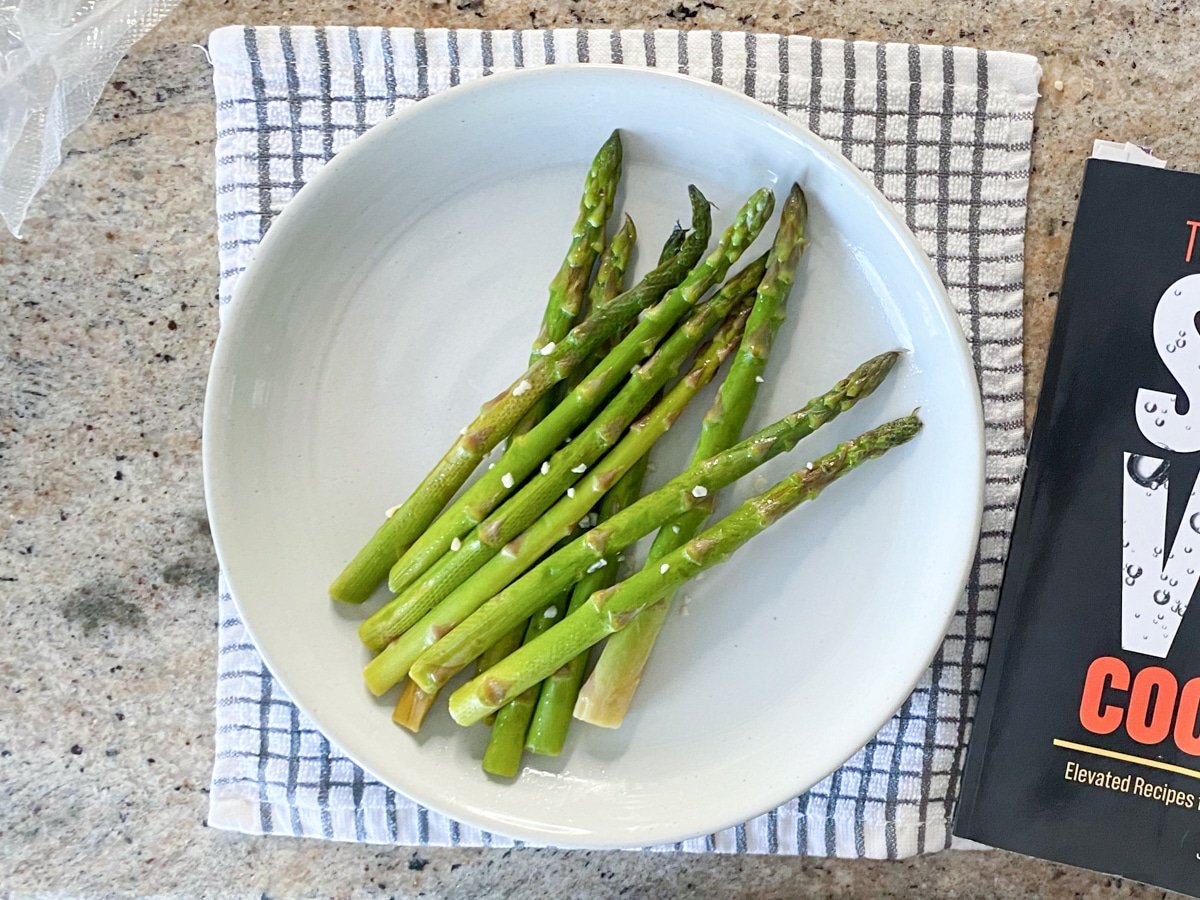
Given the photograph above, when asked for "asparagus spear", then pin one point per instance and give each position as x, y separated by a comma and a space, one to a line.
468, 554
673, 242
414, 703
609, 690
500, 415
552, 717
503, 754
614, 263
569, 286
507, 742
566, 297
389, 667
492, 617
531, 449
430, 550
612, 609
737, 393
607, 283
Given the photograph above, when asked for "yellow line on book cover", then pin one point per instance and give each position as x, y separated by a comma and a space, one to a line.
1126, 757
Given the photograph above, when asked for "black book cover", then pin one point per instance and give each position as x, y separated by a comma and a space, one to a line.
1086, 748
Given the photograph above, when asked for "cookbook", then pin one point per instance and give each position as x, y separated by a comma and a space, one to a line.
1086, 747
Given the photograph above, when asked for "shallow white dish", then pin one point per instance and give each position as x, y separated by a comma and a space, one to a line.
403, 285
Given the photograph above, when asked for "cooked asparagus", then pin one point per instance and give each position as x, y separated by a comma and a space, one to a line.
605, 698
613, 608
497, 608
500, 415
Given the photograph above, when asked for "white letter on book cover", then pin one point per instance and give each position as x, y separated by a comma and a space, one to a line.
1157, 582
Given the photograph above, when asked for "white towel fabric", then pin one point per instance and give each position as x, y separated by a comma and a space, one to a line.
945, 134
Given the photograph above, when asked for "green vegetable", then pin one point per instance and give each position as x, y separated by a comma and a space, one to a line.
556, 700
525, 453
492, 617
507, 742
558, 473
605, 698
612, 609
500, 416
390, 666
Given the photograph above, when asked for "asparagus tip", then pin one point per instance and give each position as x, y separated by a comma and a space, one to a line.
797, 200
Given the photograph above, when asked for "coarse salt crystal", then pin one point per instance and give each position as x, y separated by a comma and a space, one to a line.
522, 387
551, 612
598, 565
579, 469
391, 512
808, 466
456, 545
545, 468
759, 379
675, 529
664, 568
570, 492
507, 479
547, 349
699, 491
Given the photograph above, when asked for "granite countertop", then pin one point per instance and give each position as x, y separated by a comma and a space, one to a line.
106, 568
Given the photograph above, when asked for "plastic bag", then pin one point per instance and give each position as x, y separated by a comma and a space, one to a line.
55, 58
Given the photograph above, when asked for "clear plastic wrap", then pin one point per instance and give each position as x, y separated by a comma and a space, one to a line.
55, 58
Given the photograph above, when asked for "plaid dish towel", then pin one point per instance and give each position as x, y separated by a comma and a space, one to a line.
945, 134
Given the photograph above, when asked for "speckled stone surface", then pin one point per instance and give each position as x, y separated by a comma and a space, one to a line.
106, 569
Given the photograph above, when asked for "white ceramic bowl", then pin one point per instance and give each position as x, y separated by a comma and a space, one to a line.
403, 285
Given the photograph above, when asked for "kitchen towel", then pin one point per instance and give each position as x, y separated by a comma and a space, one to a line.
944, 132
